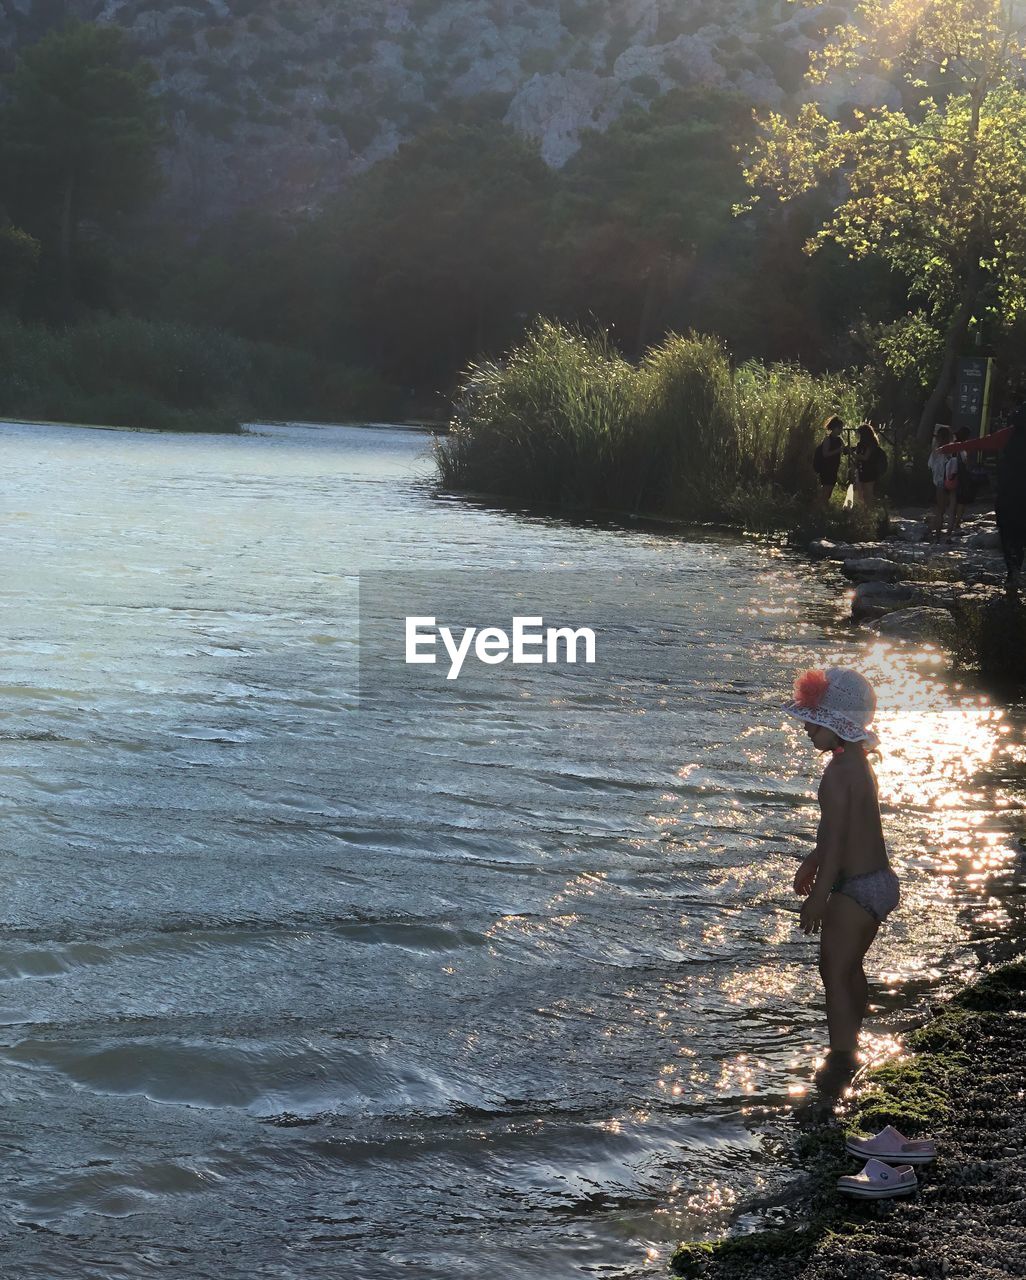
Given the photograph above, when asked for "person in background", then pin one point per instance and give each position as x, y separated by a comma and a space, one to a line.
870, 463
1010, 501
964, 491
940, 466
826, 461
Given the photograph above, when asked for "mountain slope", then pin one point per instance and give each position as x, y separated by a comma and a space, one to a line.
277, 103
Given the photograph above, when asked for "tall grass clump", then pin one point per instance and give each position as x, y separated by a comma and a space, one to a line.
548, 425
126, 371
564, 420
686, 436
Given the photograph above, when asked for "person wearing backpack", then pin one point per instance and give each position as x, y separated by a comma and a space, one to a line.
826, 461
870, 463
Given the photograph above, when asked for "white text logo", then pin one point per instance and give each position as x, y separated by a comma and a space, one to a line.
531, 642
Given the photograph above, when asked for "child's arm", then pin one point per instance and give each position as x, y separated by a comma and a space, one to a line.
833, 801
805, 876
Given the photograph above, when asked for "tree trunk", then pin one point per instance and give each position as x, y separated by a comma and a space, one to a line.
66, 242
974, 280
653, 286
957, 330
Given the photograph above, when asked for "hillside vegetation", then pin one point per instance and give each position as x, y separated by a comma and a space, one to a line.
278, 103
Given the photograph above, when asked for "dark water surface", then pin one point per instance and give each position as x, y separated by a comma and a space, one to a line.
292, 988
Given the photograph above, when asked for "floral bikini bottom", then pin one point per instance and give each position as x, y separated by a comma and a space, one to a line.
875, 891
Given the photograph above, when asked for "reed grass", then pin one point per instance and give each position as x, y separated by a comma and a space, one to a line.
565, 421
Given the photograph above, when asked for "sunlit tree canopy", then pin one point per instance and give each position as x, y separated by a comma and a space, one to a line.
936, 187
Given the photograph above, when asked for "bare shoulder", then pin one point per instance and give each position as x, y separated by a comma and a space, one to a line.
837, 782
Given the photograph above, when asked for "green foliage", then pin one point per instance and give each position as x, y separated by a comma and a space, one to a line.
747, 1251
129, 372
565, 421
935, 189
360, 129
539, 61
219, 37
686, 435
839, 524
903, 361
782, 409
19, 258
548, 426
913, 1094
645, 86
583, 18
79, 111
1000, 991
78, 137
423, 285
437, 256
642, 205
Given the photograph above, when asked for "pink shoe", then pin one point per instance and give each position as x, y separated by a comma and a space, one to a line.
892, 1147
879, 1181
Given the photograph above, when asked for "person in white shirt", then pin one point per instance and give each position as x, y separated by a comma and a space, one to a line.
942, 470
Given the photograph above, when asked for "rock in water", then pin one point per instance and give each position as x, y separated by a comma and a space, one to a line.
871, 569
824, 549
872, 599
917, 624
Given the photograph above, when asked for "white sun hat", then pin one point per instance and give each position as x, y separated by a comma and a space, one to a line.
839, 699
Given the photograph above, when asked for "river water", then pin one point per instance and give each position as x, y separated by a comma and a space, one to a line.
295, 987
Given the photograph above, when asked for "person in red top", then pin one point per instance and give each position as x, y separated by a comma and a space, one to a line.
1010, 503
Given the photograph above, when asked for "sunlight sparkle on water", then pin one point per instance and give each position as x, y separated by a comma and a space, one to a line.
932, 746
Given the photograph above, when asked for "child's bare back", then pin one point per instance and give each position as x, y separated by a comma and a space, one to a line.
849, 799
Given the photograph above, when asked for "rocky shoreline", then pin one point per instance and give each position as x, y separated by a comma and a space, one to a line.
907, 588
905, 571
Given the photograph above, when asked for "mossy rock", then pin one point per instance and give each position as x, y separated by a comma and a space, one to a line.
758, 1246
912, 1094
996, 992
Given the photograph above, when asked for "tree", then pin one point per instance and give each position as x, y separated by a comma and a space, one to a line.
643, 203
78, 136
19, 255
442, 250
935, 186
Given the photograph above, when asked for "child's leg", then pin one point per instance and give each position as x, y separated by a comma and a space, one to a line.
847, 934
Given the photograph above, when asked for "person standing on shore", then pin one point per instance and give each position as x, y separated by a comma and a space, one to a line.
1010, 502
942, 469
870, 463
965, 487
847, 880
826, 461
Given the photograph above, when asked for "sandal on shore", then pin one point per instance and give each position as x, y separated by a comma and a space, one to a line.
879, 1181
892, 1147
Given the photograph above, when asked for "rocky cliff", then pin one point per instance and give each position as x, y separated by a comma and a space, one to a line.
277, 103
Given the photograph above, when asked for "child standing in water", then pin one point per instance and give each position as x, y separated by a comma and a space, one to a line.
847, 881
